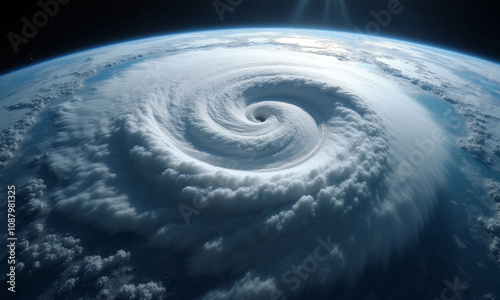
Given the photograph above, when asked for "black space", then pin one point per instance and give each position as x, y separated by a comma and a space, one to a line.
470, 26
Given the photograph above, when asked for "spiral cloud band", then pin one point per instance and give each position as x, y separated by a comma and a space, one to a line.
248, 158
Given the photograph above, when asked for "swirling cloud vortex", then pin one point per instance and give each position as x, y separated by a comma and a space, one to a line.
272, 148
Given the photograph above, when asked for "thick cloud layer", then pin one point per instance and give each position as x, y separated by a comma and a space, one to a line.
250, 159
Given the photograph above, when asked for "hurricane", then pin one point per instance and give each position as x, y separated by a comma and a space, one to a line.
278, 168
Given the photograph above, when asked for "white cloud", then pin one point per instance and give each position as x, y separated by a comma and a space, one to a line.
48, 251
275, 147
491, 224
248, 288
31, 192
143, 291
101, 282
93, 265
495, 248
37, 229
67, 286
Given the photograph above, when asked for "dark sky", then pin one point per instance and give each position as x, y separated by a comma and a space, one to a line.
471, 26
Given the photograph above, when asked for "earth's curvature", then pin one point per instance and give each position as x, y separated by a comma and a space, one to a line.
255, 164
